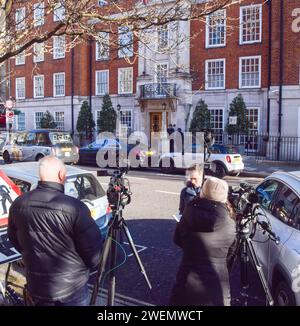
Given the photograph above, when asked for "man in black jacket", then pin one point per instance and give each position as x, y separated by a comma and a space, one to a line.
58, 239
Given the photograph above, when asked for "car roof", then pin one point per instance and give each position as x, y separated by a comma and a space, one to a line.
30, 169
291, 178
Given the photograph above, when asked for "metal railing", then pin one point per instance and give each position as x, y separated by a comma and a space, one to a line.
262, 145
158, 90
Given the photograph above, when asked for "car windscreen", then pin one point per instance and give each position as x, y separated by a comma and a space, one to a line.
231, 150
60, 138
83, 186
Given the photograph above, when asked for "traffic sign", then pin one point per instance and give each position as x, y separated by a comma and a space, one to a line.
9, 116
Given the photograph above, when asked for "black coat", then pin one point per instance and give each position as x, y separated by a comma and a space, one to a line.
58, 240
205, 234
187, 195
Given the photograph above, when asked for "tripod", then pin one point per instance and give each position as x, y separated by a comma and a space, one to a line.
118, 224
245, 249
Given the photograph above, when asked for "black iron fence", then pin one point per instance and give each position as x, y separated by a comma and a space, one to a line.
263, 146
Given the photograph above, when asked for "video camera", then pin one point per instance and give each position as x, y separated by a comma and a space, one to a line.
242, 198
118, 191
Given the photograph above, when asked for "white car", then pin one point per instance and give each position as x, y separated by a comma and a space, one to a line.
225, 160
80, 184
279, 199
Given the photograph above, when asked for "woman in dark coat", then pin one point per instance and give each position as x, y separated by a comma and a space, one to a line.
205, 234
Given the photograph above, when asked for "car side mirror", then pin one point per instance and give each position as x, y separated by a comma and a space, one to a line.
90, 146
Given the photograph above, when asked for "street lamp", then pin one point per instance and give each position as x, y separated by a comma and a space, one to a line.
118, 120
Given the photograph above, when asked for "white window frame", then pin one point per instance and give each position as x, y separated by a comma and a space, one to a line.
41, 56
57, 121
218, 139
258, 117
59, 47
20, 58
241, 24
20, 19
127, 49
59, 12
240, 71
206, 74
24, 88
102, 47
54, 84
119, 80
96, 79
17, 121
163, 34
39, 14
207, 45
124, 126
156, 72
34, 86
40, 113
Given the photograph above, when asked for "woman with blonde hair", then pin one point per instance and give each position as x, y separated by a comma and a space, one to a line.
205, 233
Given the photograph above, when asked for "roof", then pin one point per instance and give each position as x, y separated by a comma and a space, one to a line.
30, 169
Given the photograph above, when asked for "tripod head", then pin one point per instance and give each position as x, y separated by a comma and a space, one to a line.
118, 191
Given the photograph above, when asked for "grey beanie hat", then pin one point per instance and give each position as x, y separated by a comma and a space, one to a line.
215, 189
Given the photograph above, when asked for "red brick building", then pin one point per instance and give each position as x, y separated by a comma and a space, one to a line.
251, 48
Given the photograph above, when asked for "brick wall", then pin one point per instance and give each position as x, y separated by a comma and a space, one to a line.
231, 52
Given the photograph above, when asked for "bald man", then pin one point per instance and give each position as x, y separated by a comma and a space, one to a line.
58, 239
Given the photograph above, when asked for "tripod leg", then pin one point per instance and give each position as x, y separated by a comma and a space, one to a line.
136, 255
113, 263
260, 273
244, 266
101, 267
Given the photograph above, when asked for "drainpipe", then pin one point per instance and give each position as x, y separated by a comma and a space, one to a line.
90, 71
90, 76
269, 67
281, 26
72, 91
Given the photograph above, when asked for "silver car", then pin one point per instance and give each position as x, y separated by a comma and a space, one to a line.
34, 145
80, 184
279, 198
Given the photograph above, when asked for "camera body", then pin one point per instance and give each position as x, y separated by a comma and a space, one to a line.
118, 191
243, 200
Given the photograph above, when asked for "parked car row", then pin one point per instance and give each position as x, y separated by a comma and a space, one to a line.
35, 144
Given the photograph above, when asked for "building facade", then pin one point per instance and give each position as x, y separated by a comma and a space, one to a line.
251, 48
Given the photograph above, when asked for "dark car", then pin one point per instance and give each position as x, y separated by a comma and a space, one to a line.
112, 151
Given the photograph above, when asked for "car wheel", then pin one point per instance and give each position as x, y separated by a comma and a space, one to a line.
220, 171
38, 157
167, 169
284, 296
6, 158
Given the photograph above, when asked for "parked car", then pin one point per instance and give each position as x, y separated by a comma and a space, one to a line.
279, 199
79, 184
117, 149
225, 160
170, 161
35, 144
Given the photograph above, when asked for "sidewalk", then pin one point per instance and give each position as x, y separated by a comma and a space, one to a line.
261, 169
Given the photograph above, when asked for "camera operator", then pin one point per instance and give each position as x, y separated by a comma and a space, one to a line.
194, 180
58, 240
205, 234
